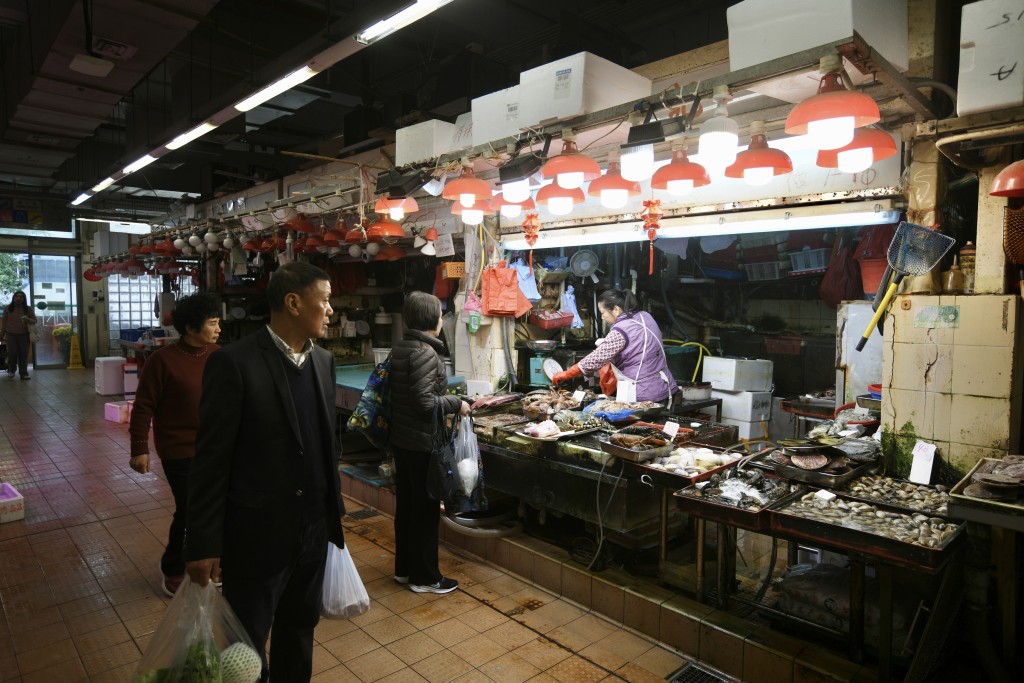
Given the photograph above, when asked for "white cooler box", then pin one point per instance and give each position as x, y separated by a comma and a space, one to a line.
991, 44
109, 376
496, 116
738, 374
748, 430
575, 85
422, 141
748, 406
118, 411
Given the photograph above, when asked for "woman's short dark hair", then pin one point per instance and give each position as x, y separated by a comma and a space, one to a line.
10, 306
623, 298
421, 311
292, 278
192, 312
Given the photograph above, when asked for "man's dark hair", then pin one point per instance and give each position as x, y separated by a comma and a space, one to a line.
292, 278
192, 312
421, 311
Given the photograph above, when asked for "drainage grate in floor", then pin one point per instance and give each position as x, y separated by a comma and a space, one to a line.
694, 673
365, 513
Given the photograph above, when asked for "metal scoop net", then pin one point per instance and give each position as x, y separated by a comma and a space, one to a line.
915, 249
1013, 235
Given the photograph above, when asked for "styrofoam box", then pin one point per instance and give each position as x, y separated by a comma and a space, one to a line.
991, 45
117, 411
763, 30
422, 141
575, 85
462, 137
495, 116
12, 504
749, 406
738, 374
747, 430
108, 377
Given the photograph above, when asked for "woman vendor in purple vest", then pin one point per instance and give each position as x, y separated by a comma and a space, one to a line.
634, 348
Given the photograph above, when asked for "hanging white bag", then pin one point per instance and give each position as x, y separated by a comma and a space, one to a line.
344, 594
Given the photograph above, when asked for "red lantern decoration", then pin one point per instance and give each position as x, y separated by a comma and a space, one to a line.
651, 214
531, 227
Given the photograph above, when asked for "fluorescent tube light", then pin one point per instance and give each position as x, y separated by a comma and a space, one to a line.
102, 185
185, 138
138, 164
410, 14
80, 198
762, 220
276, 88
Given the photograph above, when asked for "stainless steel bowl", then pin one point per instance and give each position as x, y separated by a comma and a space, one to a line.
542, 344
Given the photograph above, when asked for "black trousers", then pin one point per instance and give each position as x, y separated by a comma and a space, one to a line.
288, 601
17, 353
173, 561
416, 520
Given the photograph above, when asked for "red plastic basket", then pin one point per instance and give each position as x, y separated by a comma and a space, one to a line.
785, 345
563, 320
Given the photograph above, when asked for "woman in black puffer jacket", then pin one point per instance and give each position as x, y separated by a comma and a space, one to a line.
418, 384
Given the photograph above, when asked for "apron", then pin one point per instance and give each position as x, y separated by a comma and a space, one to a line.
625, 390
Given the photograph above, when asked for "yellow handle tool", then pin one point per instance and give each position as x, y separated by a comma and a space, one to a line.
889, 294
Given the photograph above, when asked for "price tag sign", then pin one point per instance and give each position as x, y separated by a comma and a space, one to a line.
578, 395
671, 428
921, 467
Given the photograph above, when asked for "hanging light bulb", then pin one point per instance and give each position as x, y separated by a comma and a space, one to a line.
719, 134
830, 117
570, 169
679, 177
638, 163
429, 249
398, 208
517, 191
228, 240
558, 200
194, 239
869, 145
612, 188
759, 163
418, 241
474, 213
355, 251
373, 248
467, 188
512, 209
179, 242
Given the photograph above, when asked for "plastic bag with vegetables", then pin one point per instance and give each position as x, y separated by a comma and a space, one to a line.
199, 640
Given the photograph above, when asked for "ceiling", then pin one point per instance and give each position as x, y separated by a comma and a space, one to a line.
178, 61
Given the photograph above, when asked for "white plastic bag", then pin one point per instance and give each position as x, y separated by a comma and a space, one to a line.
467, 454
199, 638
344, 594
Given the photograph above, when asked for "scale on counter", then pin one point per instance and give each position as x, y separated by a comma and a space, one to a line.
542, 366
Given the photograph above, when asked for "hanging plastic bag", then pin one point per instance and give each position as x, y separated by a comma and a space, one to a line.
842, 280
501, 293
33, 331
569, 306
199, 639
344, 594
527, 281
372, 415
467, 457
472, 309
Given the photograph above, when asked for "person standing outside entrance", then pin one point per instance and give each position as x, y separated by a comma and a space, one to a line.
17, 317
264, 496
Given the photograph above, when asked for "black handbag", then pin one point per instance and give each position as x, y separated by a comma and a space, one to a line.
441, 477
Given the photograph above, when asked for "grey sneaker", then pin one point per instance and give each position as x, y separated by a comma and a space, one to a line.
402, 579
442, 586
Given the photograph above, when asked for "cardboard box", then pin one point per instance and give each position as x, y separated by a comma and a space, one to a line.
495, 116
118, 411
748, 430
575, 85
12, 504
991, 44
738, 374
748, 406
422, 141
763, 30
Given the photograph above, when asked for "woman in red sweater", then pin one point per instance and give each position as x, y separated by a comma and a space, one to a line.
168, 396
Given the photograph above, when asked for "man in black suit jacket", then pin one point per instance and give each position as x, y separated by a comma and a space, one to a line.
264, 496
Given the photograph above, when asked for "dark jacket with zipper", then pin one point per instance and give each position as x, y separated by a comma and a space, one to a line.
418, 381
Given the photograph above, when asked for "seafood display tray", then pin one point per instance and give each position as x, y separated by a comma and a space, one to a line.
670, 479
1001, 513
853, 495
559, 436
815, 477
751, 520
633, 455
858, 540
487, 428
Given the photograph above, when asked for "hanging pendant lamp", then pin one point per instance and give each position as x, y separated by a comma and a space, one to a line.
467, 188
512, 209
612, 189
385, 231
868, 146
682, 175
830, 117
559, 200
759, 163
570, 169
1009, 182
474, 213
719, 134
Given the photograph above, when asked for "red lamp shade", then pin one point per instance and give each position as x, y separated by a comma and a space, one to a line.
390, 252
869, 145
396, 208
570, 169
680, 176
333, 238
613, 190
759, 163
299, 222
467, 188
559, 200
250, 246
355, 236
431, 235
830, 116
384, 230
1009, 182
474, 213
512, 209
91, 275
314, 241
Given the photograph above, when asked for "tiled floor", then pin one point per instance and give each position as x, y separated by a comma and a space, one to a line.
80, 592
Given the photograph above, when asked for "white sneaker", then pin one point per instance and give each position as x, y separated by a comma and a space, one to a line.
442, 586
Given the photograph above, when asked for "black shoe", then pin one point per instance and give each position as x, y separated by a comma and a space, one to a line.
442, 586
26, 377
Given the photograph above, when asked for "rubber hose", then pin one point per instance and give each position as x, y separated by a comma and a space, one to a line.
515, 528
